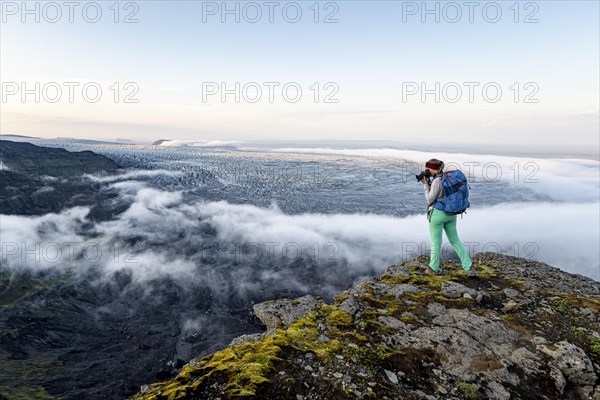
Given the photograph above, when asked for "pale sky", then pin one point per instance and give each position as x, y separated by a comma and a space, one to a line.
179, 53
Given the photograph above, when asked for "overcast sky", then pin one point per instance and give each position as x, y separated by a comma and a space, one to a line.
369, 70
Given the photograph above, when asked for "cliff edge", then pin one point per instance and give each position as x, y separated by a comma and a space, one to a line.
522, 330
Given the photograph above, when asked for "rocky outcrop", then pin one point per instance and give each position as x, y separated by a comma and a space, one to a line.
522, 330
279, 314
282, 313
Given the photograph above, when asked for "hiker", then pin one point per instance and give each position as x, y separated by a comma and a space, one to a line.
439, 220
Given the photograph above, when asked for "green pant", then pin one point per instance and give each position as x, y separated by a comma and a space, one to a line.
440, 220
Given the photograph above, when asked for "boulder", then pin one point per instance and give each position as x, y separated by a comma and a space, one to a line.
284, 312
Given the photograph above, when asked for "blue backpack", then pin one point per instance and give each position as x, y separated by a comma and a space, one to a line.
456, 193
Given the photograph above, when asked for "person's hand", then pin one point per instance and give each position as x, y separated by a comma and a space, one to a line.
424, 181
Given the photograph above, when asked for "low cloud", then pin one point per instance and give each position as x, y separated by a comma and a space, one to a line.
251, 249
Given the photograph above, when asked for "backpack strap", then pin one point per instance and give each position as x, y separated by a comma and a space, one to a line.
448, 177
436, 201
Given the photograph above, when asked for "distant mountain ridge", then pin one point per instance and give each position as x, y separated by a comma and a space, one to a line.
8, 136
35, 180
32, 159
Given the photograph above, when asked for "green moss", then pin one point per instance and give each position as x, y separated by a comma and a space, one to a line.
363, 325
356, 337
245, 366
422, 297
454, 302
307, 340
339, 318
561, 306
349, 337
468, 390
485, 271
393, 305
569, 302
325, 310
289, 381
432, 281
595, 346
371, 314
372, 301
326, 350
410, 320
588, 340
394, 280
383, 353
339, 298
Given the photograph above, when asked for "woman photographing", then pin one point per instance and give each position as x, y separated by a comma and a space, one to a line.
440, 220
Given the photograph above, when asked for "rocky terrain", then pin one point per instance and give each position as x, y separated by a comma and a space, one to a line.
522, 330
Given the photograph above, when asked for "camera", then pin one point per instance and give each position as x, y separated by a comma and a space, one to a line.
424, 174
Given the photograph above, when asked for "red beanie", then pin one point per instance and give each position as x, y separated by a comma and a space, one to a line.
432, 165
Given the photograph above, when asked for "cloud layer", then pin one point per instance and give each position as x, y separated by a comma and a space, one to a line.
166, 235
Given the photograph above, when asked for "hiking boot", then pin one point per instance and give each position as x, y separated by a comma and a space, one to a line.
429, 271
471, 273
